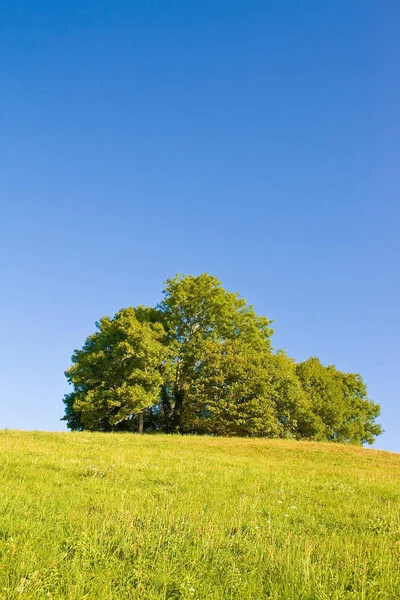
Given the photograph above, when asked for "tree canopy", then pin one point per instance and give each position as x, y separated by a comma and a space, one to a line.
118, 373
202, 361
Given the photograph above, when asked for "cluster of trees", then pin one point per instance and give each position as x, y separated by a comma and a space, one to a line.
202, 362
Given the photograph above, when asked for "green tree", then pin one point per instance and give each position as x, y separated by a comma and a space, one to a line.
202, 362
229, 392
339, 401
359, 425
292, 406
196, 310
117, 374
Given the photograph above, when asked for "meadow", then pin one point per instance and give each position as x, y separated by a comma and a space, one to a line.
101, 516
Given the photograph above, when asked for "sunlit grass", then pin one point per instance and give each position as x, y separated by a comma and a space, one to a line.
121, 516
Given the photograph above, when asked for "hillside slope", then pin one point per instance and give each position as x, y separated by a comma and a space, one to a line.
89, 515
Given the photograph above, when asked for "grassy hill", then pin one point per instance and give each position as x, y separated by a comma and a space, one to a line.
121, 516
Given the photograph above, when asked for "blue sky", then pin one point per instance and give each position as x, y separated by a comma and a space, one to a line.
257, 141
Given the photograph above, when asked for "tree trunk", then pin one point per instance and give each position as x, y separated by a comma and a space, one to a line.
140, 430
167, 410
178, 408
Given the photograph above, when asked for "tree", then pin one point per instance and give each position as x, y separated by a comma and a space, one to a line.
339, 402
292, 406
117, 374
229, 392
359, 424
196, 310
201, 361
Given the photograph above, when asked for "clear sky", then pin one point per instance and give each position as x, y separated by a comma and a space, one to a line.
256, 140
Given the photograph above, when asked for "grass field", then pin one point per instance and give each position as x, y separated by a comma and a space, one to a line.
90, 515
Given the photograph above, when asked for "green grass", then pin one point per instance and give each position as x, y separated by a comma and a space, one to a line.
121, 516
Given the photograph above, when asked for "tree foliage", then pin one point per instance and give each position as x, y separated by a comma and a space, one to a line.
339, 402
117, 374
202, 362
202, 319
